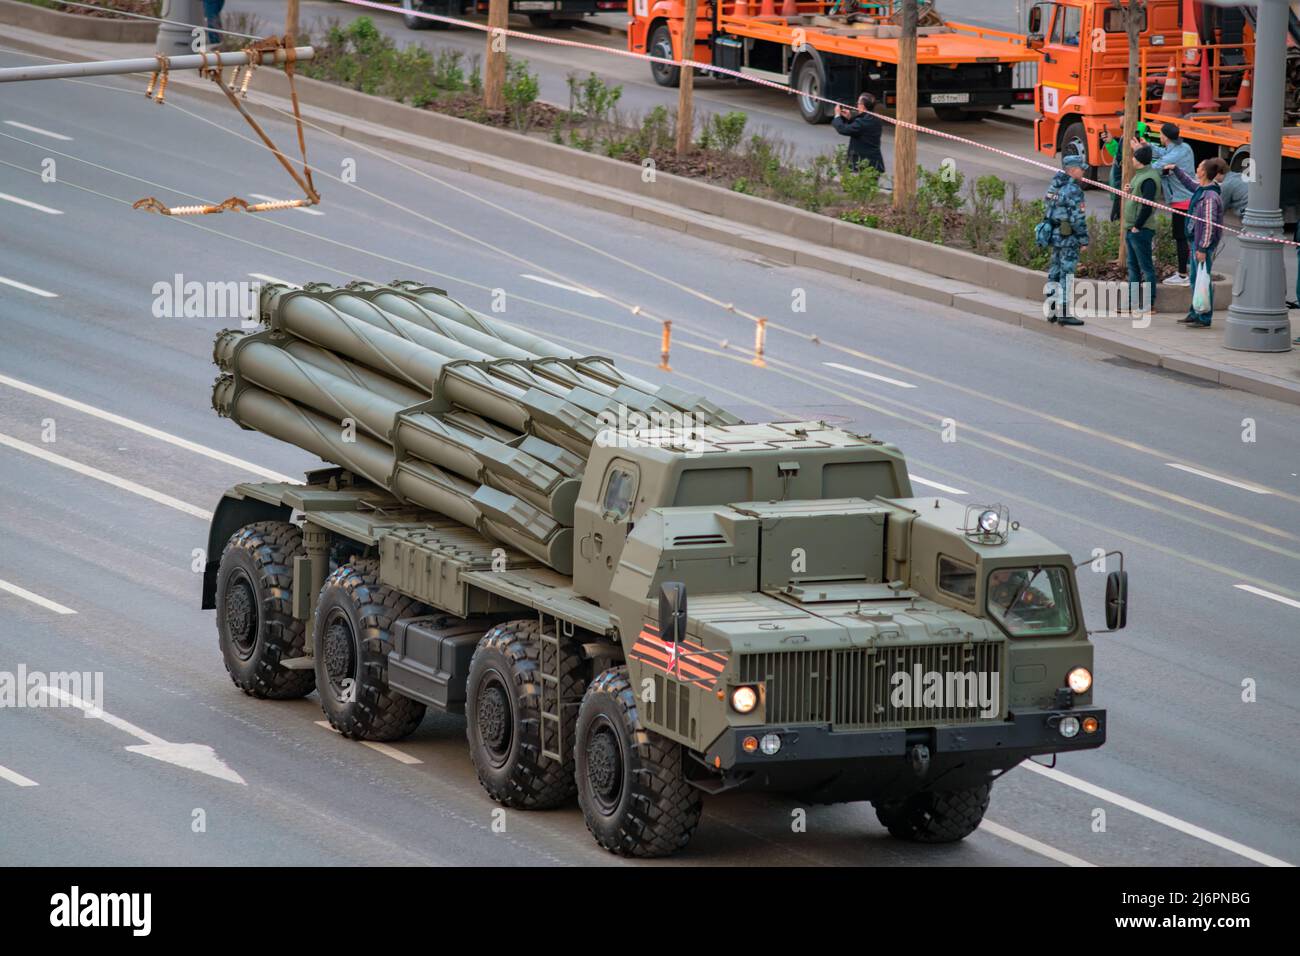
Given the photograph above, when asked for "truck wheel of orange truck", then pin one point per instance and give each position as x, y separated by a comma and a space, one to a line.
350, 638
1075, 140
936, 817
810, 83
503, 709
661, 45
419, 23
632, 786
256, 628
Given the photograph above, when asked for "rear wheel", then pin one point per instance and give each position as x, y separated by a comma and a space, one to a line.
504, 727
351, 639
810, 84
661, 45
936, 817
256, 628
420, 23
631, 784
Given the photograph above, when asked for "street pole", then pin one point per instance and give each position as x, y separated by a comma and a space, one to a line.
1257, 319
686, 88
494, 69
905, 139
177, 39
291, 21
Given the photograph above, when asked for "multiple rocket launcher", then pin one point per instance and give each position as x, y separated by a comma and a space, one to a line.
448, 410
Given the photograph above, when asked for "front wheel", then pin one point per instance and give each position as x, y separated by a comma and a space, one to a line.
1074, 141
631, 783
936, 817
811, 84
661, 45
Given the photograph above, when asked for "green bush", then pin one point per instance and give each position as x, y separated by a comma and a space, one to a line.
520, 93
723, 131
1103, 245
1018, 245
861, 185
357, 55
593, 100
986, 197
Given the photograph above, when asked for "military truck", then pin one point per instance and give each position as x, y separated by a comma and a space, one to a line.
633, 596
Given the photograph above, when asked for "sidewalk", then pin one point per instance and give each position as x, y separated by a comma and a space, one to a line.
1164, 344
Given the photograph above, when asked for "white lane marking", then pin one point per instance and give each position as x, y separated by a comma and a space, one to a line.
31, 205
44, 294
1032, 845
266, 278
123, 483
198, 757
1213, 477
878, 378
1250, 588
590, 293
934, 484
385, 749
35, 598
1159, 816
143, 429
14, 777
37, 129
266, 198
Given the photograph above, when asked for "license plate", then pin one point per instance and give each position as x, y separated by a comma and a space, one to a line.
535, 4
949, 97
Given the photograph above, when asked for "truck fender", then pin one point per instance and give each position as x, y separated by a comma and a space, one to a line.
231, 514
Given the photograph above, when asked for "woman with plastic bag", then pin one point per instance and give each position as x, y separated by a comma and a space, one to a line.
1204, 226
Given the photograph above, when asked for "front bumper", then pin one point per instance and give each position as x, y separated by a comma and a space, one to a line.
866, 764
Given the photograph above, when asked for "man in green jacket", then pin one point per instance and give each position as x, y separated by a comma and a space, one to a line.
1138, 234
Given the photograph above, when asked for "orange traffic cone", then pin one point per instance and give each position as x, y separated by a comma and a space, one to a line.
1207, 98
740, 8
789, 8
1170, 105
768, 9
1243, 95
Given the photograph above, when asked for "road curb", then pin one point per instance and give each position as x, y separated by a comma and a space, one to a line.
75, 26
804, 243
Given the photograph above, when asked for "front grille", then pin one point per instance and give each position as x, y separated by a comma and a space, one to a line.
852, 689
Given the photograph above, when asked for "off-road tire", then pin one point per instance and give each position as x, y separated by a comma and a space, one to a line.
350, 637
256, 628
936, 817
504, 718
631, 785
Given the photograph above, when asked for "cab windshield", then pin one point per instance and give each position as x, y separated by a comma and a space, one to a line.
1031, 602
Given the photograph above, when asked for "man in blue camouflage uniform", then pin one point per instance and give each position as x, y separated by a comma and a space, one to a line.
1064, 209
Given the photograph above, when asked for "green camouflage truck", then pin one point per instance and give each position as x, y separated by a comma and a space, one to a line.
632, 596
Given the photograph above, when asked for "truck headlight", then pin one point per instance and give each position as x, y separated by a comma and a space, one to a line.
744, 699
1079, 680
989, 521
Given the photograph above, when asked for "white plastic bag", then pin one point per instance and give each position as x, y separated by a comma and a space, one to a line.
1201, 293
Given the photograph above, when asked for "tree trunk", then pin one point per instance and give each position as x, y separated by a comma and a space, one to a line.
494, 68
1132, 102
905, 139
686, 89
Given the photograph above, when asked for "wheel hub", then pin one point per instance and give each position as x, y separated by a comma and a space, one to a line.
494, 719
241, 615
604, 767
338, 652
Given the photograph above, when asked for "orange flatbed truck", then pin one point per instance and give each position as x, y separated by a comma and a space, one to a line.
820, 50
1084, 70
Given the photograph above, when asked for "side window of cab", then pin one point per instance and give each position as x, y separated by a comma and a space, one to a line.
620, 490
957, 579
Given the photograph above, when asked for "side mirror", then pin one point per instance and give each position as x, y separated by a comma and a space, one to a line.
1035, 29
672, 612
1116, 600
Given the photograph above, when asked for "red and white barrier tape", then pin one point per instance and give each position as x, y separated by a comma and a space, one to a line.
759, 81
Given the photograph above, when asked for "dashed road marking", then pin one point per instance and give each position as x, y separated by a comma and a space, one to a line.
43, 293
1251, 589
18, 200
878, 378
385, 749
37, 129
35, 598
124, 483
1032, 845
14, 777
949, 489
143, 429
1255, 489
1159, 816
589, 293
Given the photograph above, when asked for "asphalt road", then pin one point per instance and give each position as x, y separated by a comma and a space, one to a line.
104, 520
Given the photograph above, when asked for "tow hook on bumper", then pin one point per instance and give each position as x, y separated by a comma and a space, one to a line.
920, 758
